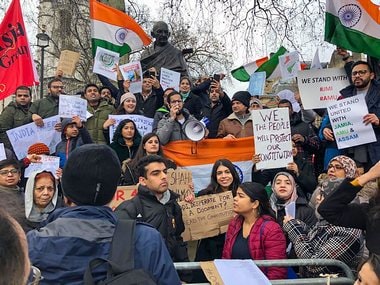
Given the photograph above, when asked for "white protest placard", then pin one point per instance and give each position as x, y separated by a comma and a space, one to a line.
257, 83
2, 152
289, 65
169, 78
104, 63
24, 136
133, 72
144, 124
70, 106
273, 139
319, 87
346, 117
47, 162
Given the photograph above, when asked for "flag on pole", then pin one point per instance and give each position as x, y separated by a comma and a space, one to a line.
316, 63
114, 30
244, 72
200, 157
353, 25
16, 61
271, 67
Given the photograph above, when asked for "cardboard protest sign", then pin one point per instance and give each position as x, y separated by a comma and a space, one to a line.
122, 194
70, 106
319, 87
346, 117
132, 71
169, 79
257, 83
24, 136
68, 61
273, 139
47, 162
144, 124
179, 182
104, 63
207, 216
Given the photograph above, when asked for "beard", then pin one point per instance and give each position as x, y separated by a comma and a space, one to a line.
362, 83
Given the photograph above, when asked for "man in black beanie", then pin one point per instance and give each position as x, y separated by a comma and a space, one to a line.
75, 235
239, 123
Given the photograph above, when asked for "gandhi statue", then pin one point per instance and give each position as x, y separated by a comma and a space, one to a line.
161, 53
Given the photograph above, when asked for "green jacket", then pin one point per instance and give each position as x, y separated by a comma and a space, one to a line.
12, 116
94, 125
45, 108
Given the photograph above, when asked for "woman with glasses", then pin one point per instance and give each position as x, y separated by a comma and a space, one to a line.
323, 240
41, 197
11, 195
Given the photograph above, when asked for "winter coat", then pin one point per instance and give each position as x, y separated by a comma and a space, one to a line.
325, 241
166, 218
95, 123
158, 116
216, 114
74, 236
231, 125
194, 105
45, 107
266, 241
122, 150
338, 210
151, 104
169, 130
67, 145
13, 116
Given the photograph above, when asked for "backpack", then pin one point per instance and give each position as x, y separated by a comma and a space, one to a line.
121, 262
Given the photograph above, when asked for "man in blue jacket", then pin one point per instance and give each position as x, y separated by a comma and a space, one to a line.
75, 235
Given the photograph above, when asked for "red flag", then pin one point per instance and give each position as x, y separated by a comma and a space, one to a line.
16, 62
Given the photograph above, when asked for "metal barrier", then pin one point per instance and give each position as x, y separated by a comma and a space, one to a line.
348, 279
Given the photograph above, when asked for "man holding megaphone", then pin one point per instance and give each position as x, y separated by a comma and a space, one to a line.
178, 124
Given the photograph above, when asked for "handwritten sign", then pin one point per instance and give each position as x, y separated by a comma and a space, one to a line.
169, 78
289, 65
273, 139
122, 194
179, 182
24, 136
346, 117
207, 216
68, 61
257, 83
47, 162
2, 152
133, 72
144, 124
104, 63
320, 87
70, 106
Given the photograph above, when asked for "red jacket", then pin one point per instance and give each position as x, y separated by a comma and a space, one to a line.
271, 246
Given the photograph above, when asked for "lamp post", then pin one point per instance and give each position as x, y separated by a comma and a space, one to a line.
42, 42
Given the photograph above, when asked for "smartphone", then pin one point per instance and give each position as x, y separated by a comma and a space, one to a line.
216, 77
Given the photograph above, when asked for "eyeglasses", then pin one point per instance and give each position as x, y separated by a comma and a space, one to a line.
57, 87
42, 188
359, 72
335, 166
176, 101
6, 172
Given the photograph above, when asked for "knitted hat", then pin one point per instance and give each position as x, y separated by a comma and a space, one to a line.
38, 148
126, 96
348, 164
91, 175
243, 97
256, 101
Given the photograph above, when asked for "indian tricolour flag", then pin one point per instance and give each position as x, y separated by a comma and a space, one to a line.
114, 30
272, 67
354, 25
200, 157
244, 72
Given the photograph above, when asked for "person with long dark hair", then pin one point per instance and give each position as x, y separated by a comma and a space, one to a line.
254, 233
369, 271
